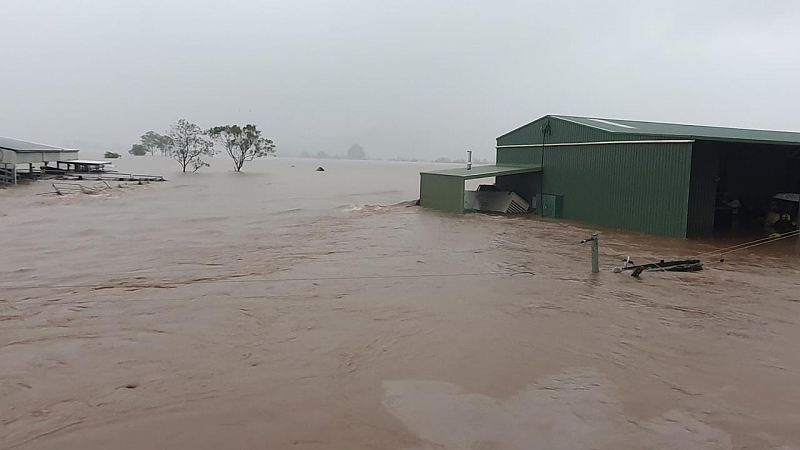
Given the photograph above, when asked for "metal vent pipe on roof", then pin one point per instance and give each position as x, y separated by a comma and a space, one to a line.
469, 159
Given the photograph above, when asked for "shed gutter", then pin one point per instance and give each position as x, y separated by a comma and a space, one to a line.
485, 171
573, 144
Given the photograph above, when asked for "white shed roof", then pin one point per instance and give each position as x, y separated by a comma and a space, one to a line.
18, 145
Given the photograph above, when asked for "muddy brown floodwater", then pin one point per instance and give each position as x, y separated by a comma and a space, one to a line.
283, 308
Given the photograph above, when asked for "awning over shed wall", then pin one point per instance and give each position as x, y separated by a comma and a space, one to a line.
485, 171
444, 189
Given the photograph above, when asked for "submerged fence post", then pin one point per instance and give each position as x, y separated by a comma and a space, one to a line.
595, 252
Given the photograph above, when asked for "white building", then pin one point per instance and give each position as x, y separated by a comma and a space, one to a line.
14, 152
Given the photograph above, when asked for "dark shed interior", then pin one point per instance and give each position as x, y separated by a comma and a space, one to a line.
733, 185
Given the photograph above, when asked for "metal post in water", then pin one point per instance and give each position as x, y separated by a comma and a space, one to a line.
469, 159
14, 166
595, 254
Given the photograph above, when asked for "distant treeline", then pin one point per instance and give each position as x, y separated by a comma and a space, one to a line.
356, 151
188, 144
324, 155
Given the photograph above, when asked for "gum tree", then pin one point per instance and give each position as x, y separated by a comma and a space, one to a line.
153, 141
242, 144
356, 152
188, 144
137, 150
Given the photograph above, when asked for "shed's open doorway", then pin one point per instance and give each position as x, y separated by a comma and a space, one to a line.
497, 194
757, 189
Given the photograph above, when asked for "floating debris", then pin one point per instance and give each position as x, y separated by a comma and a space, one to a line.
686, 265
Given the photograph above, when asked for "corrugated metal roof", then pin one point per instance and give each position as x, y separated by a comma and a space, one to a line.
25, 146
486, 171
674, 130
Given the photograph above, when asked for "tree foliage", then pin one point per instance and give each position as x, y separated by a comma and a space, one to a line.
242, 143
356, 152
137, 150
153, 141
188, 144
111, 155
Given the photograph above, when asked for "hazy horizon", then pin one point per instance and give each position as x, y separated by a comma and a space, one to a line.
413, 79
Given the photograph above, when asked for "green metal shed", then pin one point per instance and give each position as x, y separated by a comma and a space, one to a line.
653, 177
444, 189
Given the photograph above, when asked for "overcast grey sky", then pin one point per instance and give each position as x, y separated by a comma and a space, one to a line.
417, 78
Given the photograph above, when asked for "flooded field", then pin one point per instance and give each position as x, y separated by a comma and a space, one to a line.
287, 308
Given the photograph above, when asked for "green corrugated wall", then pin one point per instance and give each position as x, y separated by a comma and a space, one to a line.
642, 187
523, 155
442, 192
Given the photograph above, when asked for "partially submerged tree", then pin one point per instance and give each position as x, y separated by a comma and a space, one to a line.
242, 143
356, 152
188, 144
153, 141
137, 150
150, 141
165, 146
